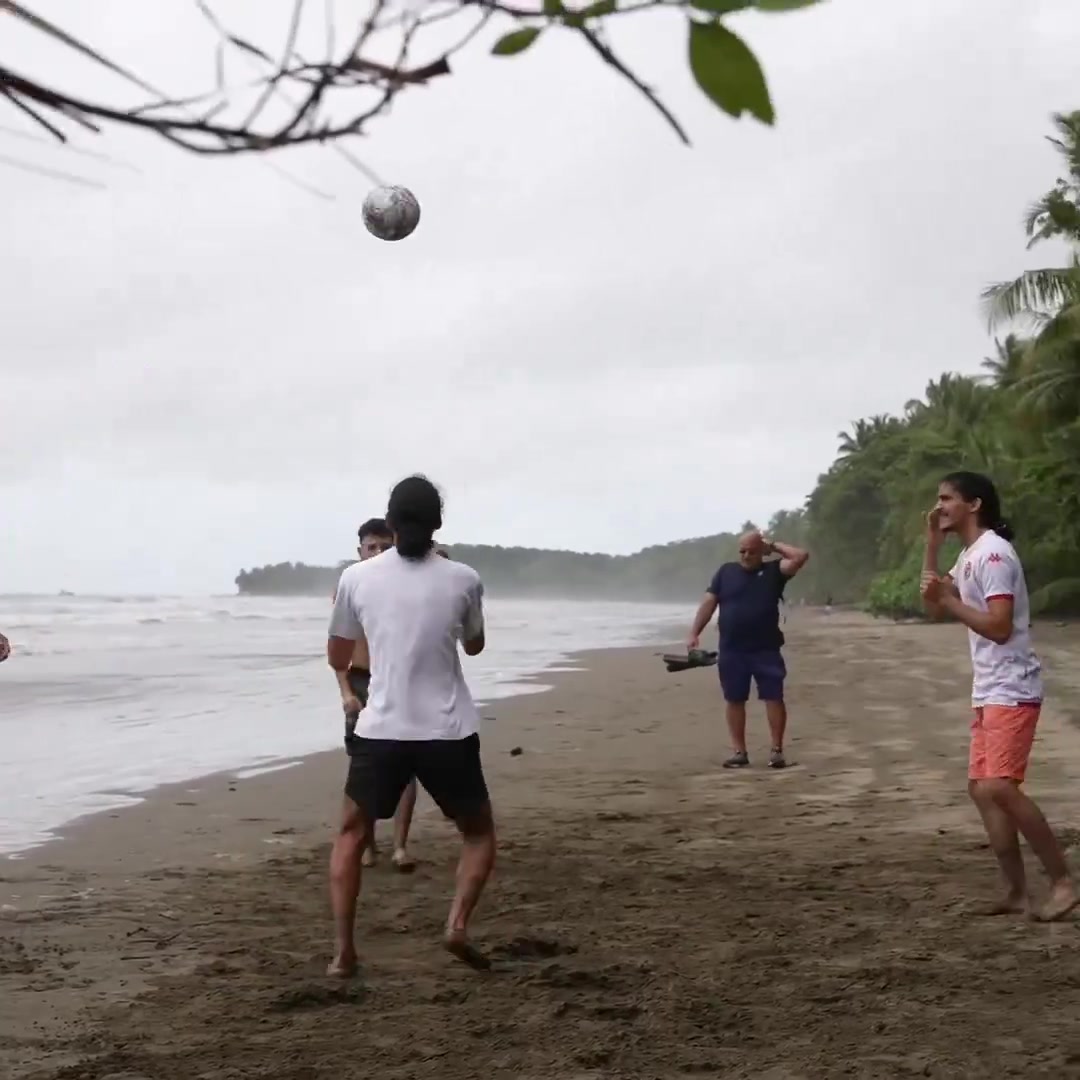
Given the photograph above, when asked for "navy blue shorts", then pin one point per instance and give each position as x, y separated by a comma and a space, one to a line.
766, 668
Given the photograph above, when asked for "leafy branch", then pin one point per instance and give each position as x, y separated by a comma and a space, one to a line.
335, 96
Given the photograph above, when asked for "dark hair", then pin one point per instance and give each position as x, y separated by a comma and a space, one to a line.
414, 514
373, 527
971, 486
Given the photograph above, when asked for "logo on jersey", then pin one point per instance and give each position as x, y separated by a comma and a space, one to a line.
967, 570
995, 557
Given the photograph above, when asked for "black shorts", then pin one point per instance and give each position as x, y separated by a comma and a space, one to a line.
359, 683
449, 770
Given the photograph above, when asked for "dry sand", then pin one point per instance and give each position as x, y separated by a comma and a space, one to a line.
652, 915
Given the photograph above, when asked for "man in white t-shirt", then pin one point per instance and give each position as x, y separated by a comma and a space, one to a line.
986, 591
420, 720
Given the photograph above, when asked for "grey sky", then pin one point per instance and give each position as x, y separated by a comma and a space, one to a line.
596, 338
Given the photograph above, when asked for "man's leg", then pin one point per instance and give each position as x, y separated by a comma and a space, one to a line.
770, 671
1005, 844
477, 860
370, 856
452, 774
1010, 732
402, 823
360, 684
735, 670
378, 773
1000, 830
345, 874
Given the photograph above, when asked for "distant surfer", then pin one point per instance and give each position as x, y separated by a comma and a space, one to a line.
748, 594
420, 722
375, 538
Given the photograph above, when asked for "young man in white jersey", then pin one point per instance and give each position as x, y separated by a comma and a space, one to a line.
986, 591
420, 721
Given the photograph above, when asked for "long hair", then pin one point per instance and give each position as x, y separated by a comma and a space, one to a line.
971, 486
415, 515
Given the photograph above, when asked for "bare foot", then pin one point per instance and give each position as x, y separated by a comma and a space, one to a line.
457, 945
402, 861
1063, 898
370, 857
343, 966
1008, 905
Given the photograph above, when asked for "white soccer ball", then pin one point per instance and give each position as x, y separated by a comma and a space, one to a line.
391, 212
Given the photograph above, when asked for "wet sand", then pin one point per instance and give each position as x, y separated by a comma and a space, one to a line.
652, 915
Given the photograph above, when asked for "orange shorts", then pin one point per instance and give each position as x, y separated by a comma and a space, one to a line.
1001, 738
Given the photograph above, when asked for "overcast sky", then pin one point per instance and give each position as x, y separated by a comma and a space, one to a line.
596, 339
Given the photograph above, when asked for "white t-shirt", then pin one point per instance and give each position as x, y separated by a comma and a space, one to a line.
412, 614
1008, 674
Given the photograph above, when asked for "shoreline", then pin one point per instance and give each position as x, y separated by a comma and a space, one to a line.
538, 684
651, 914
178, 755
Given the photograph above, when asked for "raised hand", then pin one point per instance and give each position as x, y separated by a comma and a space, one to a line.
933, 526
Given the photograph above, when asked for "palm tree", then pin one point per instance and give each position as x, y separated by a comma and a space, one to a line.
1056, 216
1048, 299
1006, 368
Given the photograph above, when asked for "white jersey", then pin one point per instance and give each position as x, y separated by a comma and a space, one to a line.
412, 613
1008, 674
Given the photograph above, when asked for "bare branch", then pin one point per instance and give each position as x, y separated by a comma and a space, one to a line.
605, 53
361, 74
34, 115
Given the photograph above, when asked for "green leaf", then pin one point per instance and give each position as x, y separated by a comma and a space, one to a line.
516, 41
721, 7
783, 5
553, 8
600, 7
728, 72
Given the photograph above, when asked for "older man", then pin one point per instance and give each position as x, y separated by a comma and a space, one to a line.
748, 594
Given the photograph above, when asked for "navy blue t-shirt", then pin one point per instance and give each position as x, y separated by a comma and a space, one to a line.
749, 606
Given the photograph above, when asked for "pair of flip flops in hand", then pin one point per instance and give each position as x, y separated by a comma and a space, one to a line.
694, 658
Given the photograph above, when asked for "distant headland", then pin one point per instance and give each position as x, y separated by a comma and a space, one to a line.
677, 571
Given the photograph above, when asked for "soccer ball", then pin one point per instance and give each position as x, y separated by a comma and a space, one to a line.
391, 212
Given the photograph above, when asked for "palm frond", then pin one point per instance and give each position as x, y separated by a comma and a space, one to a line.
1033, 293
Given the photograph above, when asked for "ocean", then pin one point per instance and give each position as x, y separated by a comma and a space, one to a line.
105, 698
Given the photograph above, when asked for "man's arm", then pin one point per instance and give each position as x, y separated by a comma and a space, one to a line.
994, 624
706, 609
935, 609
472, 626
996, 577
792, 559
345, 631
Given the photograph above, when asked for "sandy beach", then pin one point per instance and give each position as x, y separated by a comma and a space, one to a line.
651, 916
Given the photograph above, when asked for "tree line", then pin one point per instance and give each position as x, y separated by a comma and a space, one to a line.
1018, 420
